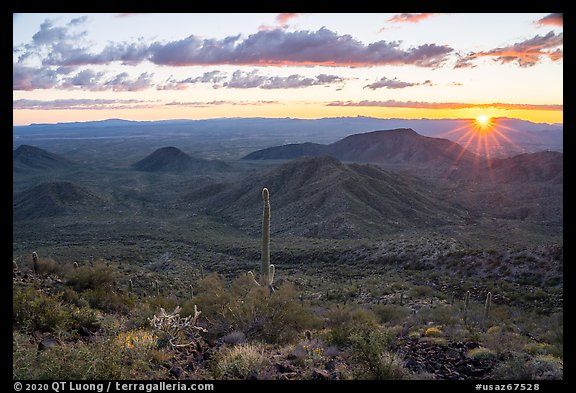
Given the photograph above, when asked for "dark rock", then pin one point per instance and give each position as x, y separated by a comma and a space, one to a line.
47, 343
330, 365
471, 345
176, 371
284, 367
84, 331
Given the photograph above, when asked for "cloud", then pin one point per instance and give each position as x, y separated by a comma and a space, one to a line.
121, 82
281, 21
279, 47
395, 84
411, 18
446, 105
31, 78
64, 104
283, 18
60, 47
85, 79
202, 104
208, 77
551, 20
248, 80
526, 53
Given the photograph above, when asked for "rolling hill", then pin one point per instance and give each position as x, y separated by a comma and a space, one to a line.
53, 199
322, 197
27, 157
172, 159
398, 146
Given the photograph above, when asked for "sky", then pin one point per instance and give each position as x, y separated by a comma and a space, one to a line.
84, 67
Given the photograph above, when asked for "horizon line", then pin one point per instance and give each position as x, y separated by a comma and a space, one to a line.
280, 118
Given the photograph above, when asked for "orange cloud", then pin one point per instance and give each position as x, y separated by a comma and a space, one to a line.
526, 53
283, 18
447, 105
411, 18
551, 20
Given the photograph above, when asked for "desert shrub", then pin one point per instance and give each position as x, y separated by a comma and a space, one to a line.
214, 301
309, 353
443, 314
419, 291
546, 367
535, 348
433, 332
502, 340
371, 358
482, 353
107, 300
239, 362
390, 313
272, 317
100, 359
526, 368
34, 310
345, 321
48, 266
88, 277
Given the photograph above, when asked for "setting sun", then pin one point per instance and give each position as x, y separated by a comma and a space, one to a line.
482, 119
483, 123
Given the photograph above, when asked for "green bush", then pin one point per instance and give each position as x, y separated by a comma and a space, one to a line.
276, 318
97, 360
107, 300
482, 353
239, 362
88, 277
371, 358
34, 310
391, 313
345, 321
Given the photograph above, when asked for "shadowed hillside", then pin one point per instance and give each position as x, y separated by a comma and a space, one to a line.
52, 199
173, 159
545, 166
398, 146
27, 157
322, 197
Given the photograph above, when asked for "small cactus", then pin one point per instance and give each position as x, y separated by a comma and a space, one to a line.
130, 285
466, 304
487, 305
75, 265
14, 265
191, 291
401, 298
35, 262
202, 272
267, 270
157, 285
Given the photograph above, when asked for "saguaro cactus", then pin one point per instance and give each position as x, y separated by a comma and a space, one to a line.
35, 261
466, 304
131, 285
487, 305
266, 270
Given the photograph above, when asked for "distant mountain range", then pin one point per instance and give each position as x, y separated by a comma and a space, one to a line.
511, 136
398, 146
173, 159
322, 197
27, 157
